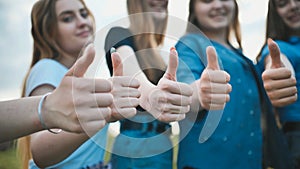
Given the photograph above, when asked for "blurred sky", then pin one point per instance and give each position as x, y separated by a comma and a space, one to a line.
16, 41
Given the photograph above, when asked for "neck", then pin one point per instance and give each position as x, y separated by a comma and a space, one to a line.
67, 59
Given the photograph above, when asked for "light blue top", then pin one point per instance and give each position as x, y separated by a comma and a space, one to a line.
291, 49
90, 154
237, 141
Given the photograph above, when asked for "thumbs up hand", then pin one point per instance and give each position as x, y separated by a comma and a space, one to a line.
169, 100
125, 91
79, 104
213, 86
278, 81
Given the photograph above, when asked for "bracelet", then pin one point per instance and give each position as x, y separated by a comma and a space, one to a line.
40, 115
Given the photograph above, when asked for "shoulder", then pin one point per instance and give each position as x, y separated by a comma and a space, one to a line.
117, 36
46, 63
193, 45
195, 37
287, 47
119, 30
117, 33
194, 41
48, 67
45, 71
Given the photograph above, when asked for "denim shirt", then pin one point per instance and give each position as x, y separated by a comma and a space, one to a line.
237, 141
291, 49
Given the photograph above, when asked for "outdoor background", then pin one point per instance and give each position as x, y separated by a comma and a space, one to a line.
16, 41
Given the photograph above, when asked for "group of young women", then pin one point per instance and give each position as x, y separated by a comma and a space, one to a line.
145, 94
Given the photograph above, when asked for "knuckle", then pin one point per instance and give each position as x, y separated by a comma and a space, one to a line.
102, 124
78, 101
294, 81
267, 86
79, 85
205, 87
180, 117
265, 75
78, 129
110, 98
163, 118
229, 88
131, 113
271, 95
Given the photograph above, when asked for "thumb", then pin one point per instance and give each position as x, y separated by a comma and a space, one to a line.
212, 58
116, 63
172, 66
274, 53
82, 64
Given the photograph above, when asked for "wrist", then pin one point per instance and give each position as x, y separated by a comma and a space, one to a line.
45, 114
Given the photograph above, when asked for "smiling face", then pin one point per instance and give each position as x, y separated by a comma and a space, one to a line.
214, 15
289, 11
74, 26
159, 7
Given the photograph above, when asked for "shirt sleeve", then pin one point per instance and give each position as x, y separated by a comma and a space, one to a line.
45, 72
190, 66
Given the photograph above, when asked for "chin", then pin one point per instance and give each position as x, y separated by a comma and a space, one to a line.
159, 15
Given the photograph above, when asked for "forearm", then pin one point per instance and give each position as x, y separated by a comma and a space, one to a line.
19, 118
50, 151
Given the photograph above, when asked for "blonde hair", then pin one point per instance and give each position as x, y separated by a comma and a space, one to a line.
147, 35
44, 32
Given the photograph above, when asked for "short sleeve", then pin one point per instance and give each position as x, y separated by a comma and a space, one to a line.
190, 66
46, 71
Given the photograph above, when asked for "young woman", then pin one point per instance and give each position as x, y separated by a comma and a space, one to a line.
283, 25
237, 142
144, 141
60, 29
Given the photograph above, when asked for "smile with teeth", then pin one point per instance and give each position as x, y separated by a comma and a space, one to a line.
219, 15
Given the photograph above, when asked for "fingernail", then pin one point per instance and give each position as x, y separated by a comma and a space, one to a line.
173, 51
112, 50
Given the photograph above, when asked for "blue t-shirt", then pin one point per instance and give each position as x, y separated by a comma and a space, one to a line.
237, 141
90, 154
291, 49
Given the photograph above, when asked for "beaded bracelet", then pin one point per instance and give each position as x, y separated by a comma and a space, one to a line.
40, 115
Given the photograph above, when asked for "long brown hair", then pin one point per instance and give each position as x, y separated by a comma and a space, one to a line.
275, 26
147, 35
233, 30
44, 33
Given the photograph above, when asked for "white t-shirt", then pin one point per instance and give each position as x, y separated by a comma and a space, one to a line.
91, 153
